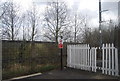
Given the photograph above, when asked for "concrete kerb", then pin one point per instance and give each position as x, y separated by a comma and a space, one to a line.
22, 77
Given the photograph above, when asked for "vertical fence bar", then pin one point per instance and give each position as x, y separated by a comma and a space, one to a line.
86, 57
103, 59
116, 62
106, 60
81, 58
95, 59
90, 59
112, 59
72, 56
68, 56
109, 59
77, 57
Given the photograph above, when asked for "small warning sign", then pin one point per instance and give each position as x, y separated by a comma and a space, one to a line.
60, 43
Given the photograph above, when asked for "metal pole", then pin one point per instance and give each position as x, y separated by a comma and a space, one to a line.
61, 60
61, 56
100, 21
100, 32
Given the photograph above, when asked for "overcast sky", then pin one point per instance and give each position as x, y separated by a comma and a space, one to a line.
86, 7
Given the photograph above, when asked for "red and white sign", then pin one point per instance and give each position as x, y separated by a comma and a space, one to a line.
60, 43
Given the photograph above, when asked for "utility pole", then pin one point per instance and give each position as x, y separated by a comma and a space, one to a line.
61, 54
100, 22
100, 27
75, 27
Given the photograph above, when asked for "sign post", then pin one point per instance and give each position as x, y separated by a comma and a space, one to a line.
60, 45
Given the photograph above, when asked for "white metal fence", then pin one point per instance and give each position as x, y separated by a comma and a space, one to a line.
109, 59
83, 57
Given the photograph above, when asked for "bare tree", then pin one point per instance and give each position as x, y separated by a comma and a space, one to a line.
23, 26
108, 34
86, 30
10, 21
2, 11
77, 24
55, 20
32, 19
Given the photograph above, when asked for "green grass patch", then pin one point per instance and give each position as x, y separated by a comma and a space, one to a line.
17, 70
47, 68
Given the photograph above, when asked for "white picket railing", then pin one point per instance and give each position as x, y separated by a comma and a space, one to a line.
93, 58
81, 57
109, 59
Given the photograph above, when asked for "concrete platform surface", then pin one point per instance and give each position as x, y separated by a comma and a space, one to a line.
70, 73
